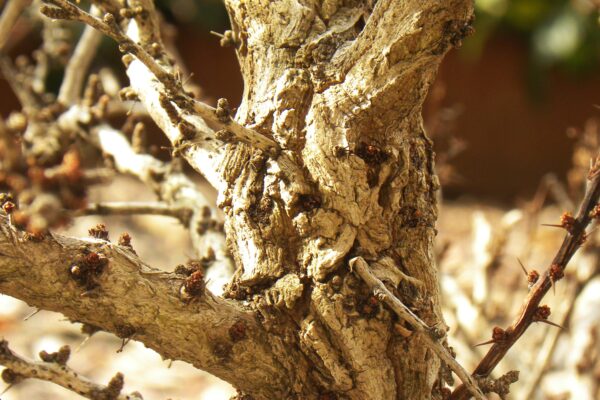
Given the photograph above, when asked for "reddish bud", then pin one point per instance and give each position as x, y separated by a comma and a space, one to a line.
193, 286
595, 213
237, 331
567, 221
498, 334
542, 313
125, 240
532, 277
99, 232
9, 207
556, 273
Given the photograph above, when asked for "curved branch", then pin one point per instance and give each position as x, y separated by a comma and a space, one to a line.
389, 67
168, 312
19, 368
406, 31
157, 87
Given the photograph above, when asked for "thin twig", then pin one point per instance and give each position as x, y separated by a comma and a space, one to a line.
360, 266
79, 63
239, 132
110, 29
529, 312
135, 208
18, 368
546, 351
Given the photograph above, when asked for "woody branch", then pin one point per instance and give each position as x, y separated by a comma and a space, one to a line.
53, 369
361, 267
189, 124
106, 285
178, 193
531, 311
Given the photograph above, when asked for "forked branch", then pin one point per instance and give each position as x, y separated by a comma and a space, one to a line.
162, 93
180, 195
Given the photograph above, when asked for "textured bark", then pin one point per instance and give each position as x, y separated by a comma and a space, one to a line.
320, 76
339, 85
137, 302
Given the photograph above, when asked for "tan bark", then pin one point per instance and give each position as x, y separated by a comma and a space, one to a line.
339, 85
317, 81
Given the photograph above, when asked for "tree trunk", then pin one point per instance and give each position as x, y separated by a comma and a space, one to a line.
340, 86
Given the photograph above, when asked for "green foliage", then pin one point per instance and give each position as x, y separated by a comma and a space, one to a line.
558, 32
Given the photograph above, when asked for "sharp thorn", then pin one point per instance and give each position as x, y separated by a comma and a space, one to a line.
553, 225
32, 314
550, 323
523, 267
7, 389
484, 343
82, 344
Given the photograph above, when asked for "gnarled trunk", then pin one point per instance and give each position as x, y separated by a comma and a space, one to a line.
340, 86
333, 97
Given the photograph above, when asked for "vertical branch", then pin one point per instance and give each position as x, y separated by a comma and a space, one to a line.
79, 63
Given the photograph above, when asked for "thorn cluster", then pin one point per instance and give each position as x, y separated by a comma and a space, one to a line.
542, 313
501, 386
567, 221
193, 286
532, 276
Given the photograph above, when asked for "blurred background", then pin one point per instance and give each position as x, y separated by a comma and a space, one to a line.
515, 120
